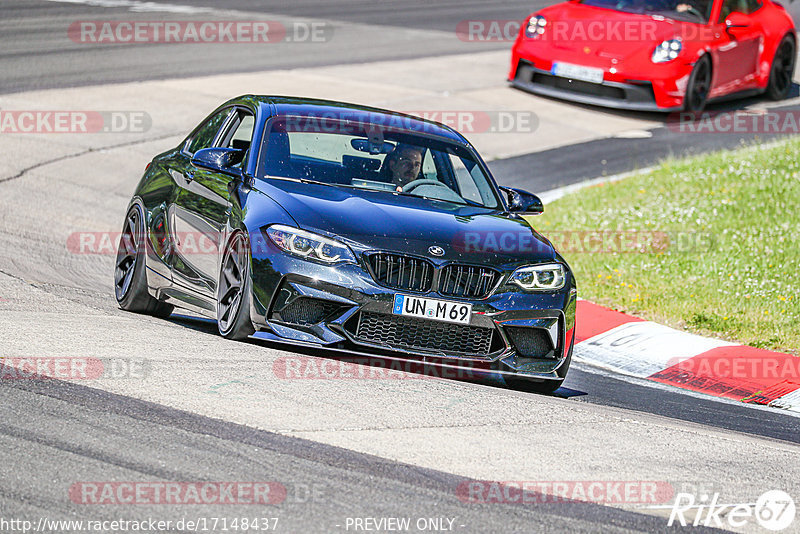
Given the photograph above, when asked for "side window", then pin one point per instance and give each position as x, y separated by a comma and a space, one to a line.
742, 6
466, 184
241, 131
429, 167
204, 136
238, 134
753, 5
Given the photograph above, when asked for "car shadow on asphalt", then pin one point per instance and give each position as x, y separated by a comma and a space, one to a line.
566, 393
194, 322
383, 366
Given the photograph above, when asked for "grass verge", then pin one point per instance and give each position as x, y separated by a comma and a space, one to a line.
709, 244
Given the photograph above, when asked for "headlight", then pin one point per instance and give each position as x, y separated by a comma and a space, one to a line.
309, 245
539, 277
667, 51
536, 25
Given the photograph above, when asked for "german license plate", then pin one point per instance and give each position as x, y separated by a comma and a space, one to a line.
577, 72
438, 310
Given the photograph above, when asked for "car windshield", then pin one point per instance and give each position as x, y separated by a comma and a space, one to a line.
369, 156
687, 10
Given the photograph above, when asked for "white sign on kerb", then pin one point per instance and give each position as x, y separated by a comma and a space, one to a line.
790, 401
642, 348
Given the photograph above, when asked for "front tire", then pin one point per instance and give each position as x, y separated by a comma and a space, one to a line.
234, 290
543, 386
782, 70
130, 277
698, 87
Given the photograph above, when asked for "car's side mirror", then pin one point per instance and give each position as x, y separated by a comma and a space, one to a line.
522, 202
736, 20
219, 160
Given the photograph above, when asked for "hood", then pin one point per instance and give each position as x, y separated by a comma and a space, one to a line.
610, 34
376, 220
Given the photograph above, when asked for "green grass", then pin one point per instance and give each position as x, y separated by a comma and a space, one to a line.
732, 265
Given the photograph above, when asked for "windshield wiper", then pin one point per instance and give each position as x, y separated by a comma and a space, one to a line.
301, 180
464, 202
473, 203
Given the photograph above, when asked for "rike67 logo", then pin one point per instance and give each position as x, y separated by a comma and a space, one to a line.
774, 510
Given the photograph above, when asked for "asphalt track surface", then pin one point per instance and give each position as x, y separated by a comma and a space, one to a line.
324, 484
37, 53
609, 156
56, 432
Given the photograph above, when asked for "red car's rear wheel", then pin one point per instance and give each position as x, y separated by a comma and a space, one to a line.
782, 70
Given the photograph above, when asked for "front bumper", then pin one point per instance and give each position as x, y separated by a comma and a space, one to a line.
631, 96
342, 307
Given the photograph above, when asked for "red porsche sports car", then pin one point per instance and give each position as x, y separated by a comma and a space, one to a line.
656, 55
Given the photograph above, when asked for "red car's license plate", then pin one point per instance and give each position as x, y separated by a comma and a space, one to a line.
578, 72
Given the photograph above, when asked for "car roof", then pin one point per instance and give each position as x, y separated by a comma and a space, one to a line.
330, 109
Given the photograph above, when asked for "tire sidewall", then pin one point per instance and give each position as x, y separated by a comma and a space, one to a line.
138, 287
690, 85
564, 368
545, 387
771, 92
242, 325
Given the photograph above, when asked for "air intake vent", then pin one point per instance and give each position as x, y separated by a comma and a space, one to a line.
401, 272
467, 281
307, 311
531, 342
398, 332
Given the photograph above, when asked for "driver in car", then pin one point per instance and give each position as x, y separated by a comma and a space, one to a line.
697, 7
404, 164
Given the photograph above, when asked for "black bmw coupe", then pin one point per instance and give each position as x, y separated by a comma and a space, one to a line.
359, 229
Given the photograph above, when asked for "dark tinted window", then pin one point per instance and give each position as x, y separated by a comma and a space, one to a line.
740, 6
375, 156
240, 131
689, 10
239, 134
206, 134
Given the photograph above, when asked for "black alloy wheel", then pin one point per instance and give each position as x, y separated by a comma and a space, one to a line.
782, 70
233, 290
130, 276
699, 86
